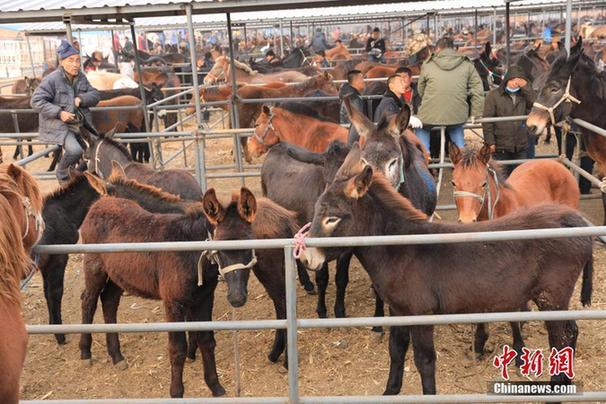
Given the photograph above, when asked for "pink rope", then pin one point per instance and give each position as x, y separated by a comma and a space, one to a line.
300, 240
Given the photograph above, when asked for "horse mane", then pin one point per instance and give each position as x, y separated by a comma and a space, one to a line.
382, 190
116, 179
271, 220
29, 184
60, 192
469, 160
300, 108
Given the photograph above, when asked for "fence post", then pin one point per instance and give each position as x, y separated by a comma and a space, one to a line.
200, 162
291, 330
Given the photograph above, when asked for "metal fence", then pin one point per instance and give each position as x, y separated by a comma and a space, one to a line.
292, 323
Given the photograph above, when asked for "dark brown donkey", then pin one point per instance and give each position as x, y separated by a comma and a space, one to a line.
170, 276
28, 122
462, 277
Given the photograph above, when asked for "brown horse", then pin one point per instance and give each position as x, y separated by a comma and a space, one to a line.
19, 199
482, 193
380, 71
123, 120
25, 86
221, 71
28, 122
339, 52
276, 124
415, 279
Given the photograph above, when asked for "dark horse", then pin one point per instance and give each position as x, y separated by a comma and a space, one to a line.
26, 122
489, 68
574, 88
450, 278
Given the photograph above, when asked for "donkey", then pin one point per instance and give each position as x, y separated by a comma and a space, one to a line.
574, 89
489, 68
414, 279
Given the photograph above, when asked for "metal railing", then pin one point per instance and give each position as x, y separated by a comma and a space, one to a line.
292, 323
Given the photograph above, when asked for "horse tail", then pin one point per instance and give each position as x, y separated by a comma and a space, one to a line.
587, 283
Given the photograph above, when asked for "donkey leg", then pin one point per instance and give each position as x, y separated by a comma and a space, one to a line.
110, 300
341, 280
379, 311
479, 340
322, 284
279, 345
562, 334
518, 341
425, 356
399, 339
145, 151
17, 152
30, 149
304, 279
202, 311
53, 276
94, 282
176, 349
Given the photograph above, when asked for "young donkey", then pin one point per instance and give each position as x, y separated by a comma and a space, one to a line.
463, 277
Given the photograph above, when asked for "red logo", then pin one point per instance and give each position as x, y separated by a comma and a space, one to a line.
560, 362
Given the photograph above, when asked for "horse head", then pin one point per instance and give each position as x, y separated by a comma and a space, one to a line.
218, 71
232, 221
556, 100
265, 134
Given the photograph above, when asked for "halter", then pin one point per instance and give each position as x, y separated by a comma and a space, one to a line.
97, 160
566, 97
30, 212
487, 195
270, 126
491, 74
213, 256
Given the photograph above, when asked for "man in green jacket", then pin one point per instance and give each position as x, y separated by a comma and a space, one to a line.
446, 81
515, 96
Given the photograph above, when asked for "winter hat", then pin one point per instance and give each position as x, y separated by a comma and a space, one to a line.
66, 50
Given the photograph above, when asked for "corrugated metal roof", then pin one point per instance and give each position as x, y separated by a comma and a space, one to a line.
35, 5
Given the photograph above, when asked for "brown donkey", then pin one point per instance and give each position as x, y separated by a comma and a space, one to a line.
450, 278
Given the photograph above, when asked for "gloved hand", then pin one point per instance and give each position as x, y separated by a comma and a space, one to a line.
415, 122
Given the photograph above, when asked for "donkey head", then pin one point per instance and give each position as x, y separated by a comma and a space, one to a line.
232, 221
554, 102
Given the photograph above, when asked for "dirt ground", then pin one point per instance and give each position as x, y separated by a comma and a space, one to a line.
332, 361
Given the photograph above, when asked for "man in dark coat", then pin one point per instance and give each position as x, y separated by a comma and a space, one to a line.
57, 99
515, 96
375, 46
353, 90
391, 103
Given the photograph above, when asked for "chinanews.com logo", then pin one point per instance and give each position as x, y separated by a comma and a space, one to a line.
559, 363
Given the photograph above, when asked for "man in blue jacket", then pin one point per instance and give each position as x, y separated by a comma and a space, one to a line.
57, 99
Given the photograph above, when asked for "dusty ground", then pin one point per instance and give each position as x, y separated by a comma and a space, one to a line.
332, 362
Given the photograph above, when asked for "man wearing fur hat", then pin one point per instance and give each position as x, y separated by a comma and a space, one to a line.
58, 99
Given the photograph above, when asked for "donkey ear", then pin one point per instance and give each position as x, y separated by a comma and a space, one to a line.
266, 109
14, 171
402, 119
111, 133
363, 125
574, 58
117, 170
357, 186
455, 153
96, 183
212, 207
484, 154
577, 46
247, 205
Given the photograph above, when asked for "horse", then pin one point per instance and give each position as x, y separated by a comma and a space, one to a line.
296, 59
27, 122
414, 279
489, 68
276, 124
102, 80
244, 74
574, 88
20, 205
482, 193
339, 52
168, 276
25, 86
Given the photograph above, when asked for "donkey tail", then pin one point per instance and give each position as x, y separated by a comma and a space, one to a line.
587, 283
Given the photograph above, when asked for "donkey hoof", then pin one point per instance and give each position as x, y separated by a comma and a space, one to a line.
312, 291
60, 339
190, 360
122, 365
218, 391
376, 336
283, 370
87, 362
479, 356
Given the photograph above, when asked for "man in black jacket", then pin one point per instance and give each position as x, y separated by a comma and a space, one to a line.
392, 102
515, 96
375, 46
353, 90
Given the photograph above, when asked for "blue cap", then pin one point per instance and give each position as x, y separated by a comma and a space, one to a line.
66, 50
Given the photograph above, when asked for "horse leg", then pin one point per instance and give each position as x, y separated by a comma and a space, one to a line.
479, 340
399, 339
202, 311
94, 282
278, 296
110, 300
134, 151
30, 149
425, 356
176, 348
518, 341
53, 275
341, 280
17, 152
57, 154
145, 151
379, 311
304, 279
322, 284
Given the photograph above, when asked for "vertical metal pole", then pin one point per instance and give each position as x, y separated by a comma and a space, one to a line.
291, 330
568, 37
507, 34
292, 37
80, 40
427, 24
31, 58
138, 67
235, 124
435, 27
200, 144
281, 40
245, 34
68, 30
403, 26
494, 27
475, 28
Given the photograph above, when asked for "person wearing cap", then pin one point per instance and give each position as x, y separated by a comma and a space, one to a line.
375, 46
57, 100
515, 96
